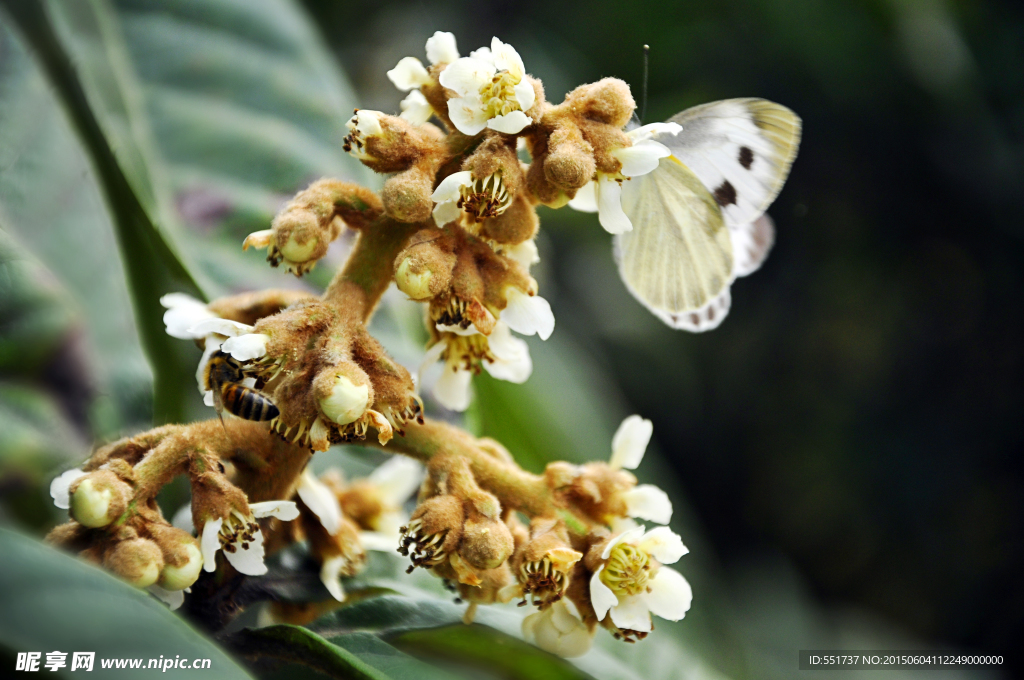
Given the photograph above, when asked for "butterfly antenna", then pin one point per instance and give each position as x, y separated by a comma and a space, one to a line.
643, 100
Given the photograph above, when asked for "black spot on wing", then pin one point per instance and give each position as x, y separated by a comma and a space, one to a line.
725, 194
746, 157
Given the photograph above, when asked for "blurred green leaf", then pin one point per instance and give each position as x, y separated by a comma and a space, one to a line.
51, 601
150, 261
359, 656
489, 649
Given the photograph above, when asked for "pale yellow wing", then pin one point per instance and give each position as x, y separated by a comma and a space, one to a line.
678, 257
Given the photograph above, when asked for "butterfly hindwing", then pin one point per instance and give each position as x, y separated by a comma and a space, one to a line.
678, 257
741, 149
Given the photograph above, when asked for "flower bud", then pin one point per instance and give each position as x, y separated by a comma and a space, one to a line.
559, 630
406, 196
182, 557
570, 160
138, 561
99, 498
517, 224
607, 101
344, 394
415, 284
433, 531
486, 543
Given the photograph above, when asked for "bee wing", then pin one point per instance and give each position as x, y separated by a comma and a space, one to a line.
741, 149
678, 257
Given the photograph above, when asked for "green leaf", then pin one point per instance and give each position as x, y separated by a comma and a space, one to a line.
359, 656
150, 260
490, 650
50, 601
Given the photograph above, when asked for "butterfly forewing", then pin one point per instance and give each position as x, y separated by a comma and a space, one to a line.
741, 149
678, 257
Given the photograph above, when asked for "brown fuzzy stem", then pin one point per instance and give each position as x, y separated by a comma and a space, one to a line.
370, 267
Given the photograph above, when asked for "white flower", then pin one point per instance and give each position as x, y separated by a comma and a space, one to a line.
480, 198
559, 630
172, 598
241, 538
525, 253
59, 487
493, 92
330, 575
415, 108
631, 586
502, 355
363, 126
604, 194
319, 498
528, 314
629, 444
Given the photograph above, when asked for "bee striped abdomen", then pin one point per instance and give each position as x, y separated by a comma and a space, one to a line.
247, 403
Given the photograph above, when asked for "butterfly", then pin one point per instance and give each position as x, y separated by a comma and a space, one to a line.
699, 218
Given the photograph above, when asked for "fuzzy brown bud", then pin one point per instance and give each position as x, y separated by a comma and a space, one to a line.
406, 196
138, 561
486, 543
607, 101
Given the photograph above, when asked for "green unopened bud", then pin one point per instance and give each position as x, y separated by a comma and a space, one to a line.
182, 576
138, 561
99, 498
346, 401
415, 284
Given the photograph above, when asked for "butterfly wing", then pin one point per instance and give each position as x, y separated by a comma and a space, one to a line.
678, 257
741, 149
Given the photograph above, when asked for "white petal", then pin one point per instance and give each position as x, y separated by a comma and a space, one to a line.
558, 630
511, 123
225, 327
641, 158
649, 502
609, 206
512, 356
441, 48
629, 536
445, 212
601, 596
390, 523
283, 510
321, 500
397, 478
60, 485
467, 113
330, 574
652, 130
246, 347
409, 74
466, 76
248, 560
632, 614
379, 541
528, 314
630, 442
670, 594
620, 525
483, 54
182, 519
452, 389
664, 544
429, 358
183, 312
525, 95
172, 598
449, 188
525, 253
585, 199
506, 58
209, 544
530, 626
415, 108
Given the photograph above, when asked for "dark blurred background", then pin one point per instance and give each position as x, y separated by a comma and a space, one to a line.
859, 413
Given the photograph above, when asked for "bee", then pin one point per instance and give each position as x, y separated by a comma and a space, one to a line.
223, 375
